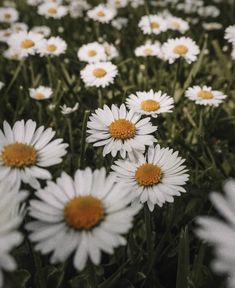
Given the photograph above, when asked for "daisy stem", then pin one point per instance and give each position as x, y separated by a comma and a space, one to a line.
92, 276
148, 227
69, 124
83, 139
100, 97
17, 71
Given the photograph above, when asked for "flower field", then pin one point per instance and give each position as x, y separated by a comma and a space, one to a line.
117, 144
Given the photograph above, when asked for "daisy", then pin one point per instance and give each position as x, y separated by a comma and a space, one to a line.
183, 47
8, 15
25, 43
65, 110
17, 27
102, 13
40, 93
154, 178
117, 3
110, 51
52, 10
136, 3
119, 23
177, 24
119, 130
45, 31
148, 49
205, 95
230, 34
76, 8
99, 74
152, 24
54, 46
210, 26
84, 216
92, 52
13, 54
25, 151
150, 103
5, 34
10, 219
220, 233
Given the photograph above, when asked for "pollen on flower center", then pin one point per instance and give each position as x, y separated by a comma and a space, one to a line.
154, 25
100, 14
52, 10
122, 129
181, 49
91, 53
148, 174
150, 105
99, 72
39, 96
27, 43
205, 94
84, 212
51, 48
7, 16
19, 155
148, 51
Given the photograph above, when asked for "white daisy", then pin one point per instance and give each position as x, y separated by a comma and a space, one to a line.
54, 46
117, 3
25, 151
5, 34
220, 233
210, 26
8, 15
177, 24
40, 93
92, 52
99, 74
205, 95
44, 30
149, 49
110, 51
102, 13
150, 103
182, 47
136, 3
76, 8
208, 11
119, 23
52, 10
10, 219
152, 24
25, 43
154, 178
17, 27
13, 54
65, 110
119, 130
230, 34
84, 216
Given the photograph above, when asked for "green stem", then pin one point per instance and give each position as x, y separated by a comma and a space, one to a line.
92, 279
70, 134
83, 139
100, 98
148, 227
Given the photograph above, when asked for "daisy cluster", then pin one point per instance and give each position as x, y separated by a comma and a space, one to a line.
112, 131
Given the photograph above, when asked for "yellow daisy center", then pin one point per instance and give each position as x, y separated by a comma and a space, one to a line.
181, 49
100, 14
122, 129
7, 16
175, 25
84, 212
19, 155
154, 25
40, 96
91, 53
52, 10
148, 51
7, 34
150, 105
99, 72
148, 174
27, 43
51, 48
205, 94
